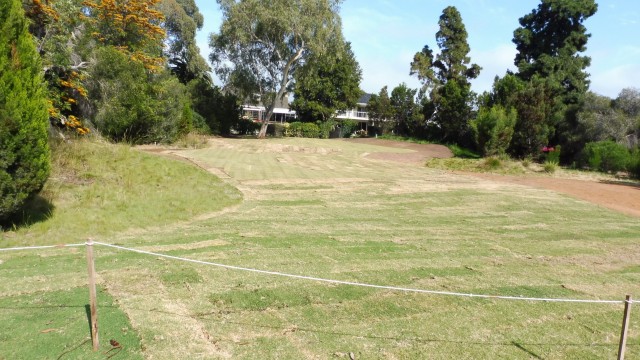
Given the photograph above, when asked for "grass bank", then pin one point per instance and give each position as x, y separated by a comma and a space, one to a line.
98, 189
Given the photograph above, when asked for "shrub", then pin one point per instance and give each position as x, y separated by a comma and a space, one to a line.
550, 166
634, 164
553, 154
293, 130
325, 128
348, 126
492, 163
606, 156
24, 151
246, 127
132, 106
276, 130
310, 130
493, 129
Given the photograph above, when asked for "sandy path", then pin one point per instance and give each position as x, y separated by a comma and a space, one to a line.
622, 197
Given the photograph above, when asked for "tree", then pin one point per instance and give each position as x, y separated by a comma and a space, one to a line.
181, 21
446, 77
133, 105
380, 110
493, 129
262, 43
221, 111
628, 101
326, 84
602, 119
548, 43
24, 151
131, 26
406, 111
58, 29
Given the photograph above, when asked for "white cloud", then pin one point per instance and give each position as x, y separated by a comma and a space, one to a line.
494, 61
612, 81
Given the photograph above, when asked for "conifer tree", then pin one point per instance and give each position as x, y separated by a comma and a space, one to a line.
24, 151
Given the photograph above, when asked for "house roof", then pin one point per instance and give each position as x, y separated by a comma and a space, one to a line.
364, 99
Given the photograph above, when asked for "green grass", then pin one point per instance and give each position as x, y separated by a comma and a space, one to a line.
491, 164
99, 190
320, 208
54, 325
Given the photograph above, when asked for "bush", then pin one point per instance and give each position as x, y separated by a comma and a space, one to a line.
300, 129
492, 163
310, 130
553, 154
550, 166
276, 130
634, 164
219, 110
246, 127
325, 128
606, 156
493, 129
132, 106
24, 151
293, 129
348, 126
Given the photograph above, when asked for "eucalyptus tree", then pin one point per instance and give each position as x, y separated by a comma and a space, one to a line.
261, 44
182, 20
446, 76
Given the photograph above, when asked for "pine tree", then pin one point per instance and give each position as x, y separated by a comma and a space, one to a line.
549, 42
446, 76
24, 151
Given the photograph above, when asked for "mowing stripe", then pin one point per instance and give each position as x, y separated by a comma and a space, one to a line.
42, 247
340, 282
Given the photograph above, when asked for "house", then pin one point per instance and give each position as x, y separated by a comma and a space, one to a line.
359, 113
281, 112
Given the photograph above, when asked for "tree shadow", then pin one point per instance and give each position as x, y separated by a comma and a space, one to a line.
628, 183
35, 210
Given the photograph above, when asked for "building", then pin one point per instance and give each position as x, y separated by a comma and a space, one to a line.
281, 112
359, 113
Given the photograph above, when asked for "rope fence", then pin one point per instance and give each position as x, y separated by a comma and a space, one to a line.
91, 269
325, 280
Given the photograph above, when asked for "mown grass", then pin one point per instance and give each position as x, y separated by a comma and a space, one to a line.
319, 208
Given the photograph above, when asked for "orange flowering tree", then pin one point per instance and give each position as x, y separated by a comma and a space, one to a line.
57, 27
131, 26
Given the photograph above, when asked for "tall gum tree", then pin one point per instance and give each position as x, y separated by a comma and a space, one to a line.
261, 44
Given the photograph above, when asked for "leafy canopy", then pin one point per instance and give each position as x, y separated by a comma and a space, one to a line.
261, 43
326, 84
446, 76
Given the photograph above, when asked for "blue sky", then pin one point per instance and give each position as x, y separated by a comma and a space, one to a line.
385, 35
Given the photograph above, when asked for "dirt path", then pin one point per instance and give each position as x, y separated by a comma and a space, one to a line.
622, 197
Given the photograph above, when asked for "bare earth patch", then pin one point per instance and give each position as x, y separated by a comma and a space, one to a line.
621, 197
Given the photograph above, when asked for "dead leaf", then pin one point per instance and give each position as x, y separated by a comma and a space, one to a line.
45, 331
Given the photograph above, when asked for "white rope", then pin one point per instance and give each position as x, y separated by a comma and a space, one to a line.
394, 288
42, 247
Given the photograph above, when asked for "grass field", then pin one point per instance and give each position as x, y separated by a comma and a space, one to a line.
317, 208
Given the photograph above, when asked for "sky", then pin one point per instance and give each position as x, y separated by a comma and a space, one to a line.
385, 34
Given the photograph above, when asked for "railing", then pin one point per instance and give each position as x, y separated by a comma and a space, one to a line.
353, 114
